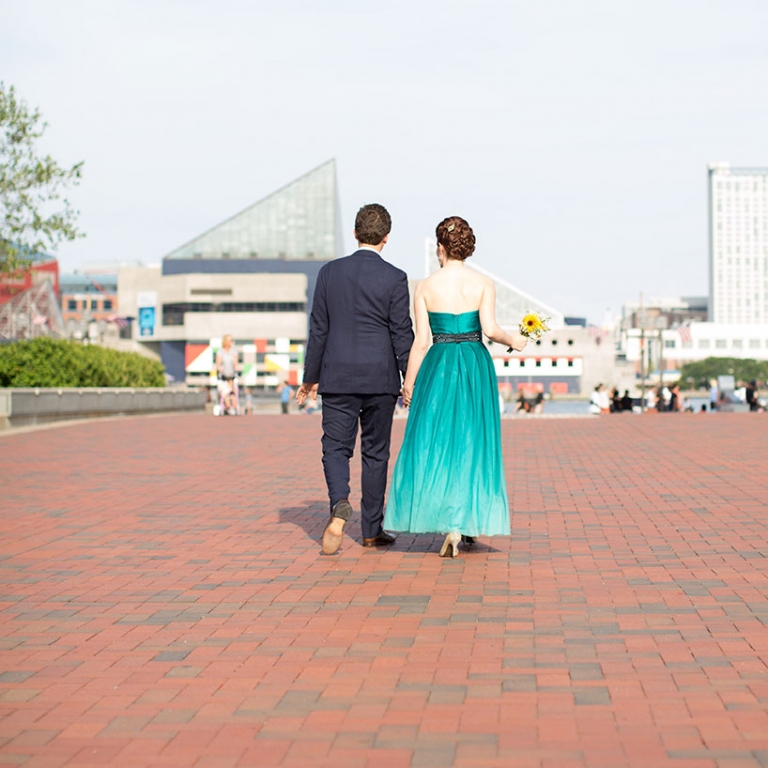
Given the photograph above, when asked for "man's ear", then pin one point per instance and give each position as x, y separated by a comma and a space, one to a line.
385, 238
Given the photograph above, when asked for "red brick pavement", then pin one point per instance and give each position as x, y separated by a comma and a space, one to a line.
163, 602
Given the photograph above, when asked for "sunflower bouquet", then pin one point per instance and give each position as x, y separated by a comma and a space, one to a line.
533, 325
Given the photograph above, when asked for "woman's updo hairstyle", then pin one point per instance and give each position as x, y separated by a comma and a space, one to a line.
457, 237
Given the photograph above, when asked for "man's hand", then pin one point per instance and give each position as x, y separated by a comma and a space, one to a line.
306, 389
407, 393
519, 342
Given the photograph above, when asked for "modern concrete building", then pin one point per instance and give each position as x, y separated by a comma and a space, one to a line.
252, 276
738, 244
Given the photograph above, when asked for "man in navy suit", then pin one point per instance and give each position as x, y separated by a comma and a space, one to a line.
360, 334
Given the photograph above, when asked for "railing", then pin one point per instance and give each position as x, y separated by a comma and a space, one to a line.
21, 407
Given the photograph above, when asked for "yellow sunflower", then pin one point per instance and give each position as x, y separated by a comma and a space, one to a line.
533, 325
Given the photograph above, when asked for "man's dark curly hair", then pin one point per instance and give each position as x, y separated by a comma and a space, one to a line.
372, 224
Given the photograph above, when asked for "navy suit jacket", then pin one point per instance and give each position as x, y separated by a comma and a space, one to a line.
360, 330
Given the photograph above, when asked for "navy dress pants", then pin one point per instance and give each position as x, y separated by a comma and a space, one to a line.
341, 415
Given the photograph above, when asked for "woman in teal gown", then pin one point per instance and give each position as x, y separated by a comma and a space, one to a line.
449, 475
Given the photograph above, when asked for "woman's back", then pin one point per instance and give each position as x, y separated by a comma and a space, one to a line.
454, 290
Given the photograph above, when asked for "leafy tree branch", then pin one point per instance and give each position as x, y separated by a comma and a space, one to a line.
35, 215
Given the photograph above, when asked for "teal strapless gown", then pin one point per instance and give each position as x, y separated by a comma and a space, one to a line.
449, 474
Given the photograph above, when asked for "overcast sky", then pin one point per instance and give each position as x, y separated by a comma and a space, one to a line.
573, 136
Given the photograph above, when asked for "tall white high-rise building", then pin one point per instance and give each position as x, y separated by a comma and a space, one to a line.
738, 244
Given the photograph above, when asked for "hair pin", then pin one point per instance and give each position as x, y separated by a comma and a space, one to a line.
451, 227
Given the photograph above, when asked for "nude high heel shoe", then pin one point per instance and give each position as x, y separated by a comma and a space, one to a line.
451, 545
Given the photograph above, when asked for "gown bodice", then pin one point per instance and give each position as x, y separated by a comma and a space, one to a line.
447, 322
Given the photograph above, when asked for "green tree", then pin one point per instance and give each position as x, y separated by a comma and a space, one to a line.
34, 215
699, 373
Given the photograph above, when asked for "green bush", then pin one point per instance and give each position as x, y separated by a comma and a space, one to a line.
54, 363
699, 373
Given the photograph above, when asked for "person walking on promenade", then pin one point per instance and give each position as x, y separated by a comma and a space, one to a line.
714, 395
286, 393
226, 365
449, 475
751, 396
599, 401
360, 336
674, 399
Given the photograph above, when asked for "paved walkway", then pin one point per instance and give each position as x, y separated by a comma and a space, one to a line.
163, 602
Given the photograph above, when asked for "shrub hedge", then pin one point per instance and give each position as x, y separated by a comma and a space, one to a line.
47, 362
701, 372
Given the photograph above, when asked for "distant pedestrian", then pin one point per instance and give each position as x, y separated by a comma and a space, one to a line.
286, 393
752, 396
626, 401
674, 399
226, 365
714, 395
599, 401
248, 401
603, 400
615, 401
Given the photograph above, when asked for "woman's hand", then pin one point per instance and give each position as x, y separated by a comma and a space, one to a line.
518, 342
407, 395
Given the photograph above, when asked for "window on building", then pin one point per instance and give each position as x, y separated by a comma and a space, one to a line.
720, 344
94, 304
669, 344
754, 343
737, 343
72, 305
173, 314
107, 304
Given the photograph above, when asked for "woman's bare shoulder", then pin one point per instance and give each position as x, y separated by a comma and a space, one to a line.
485, 281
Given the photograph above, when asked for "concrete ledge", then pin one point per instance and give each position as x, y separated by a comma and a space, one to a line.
23, 407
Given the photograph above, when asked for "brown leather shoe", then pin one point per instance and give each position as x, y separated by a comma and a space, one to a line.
334, 530
384, 539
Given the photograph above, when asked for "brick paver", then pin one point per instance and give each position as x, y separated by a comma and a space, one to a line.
164, 602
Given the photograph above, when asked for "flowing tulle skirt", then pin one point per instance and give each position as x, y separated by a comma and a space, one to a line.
449, 474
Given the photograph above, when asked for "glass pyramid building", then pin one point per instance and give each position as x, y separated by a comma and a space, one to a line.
300, 221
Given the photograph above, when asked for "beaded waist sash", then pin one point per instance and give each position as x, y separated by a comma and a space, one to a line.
456, 338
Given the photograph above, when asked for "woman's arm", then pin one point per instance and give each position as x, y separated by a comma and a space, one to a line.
420, 344
488, 321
